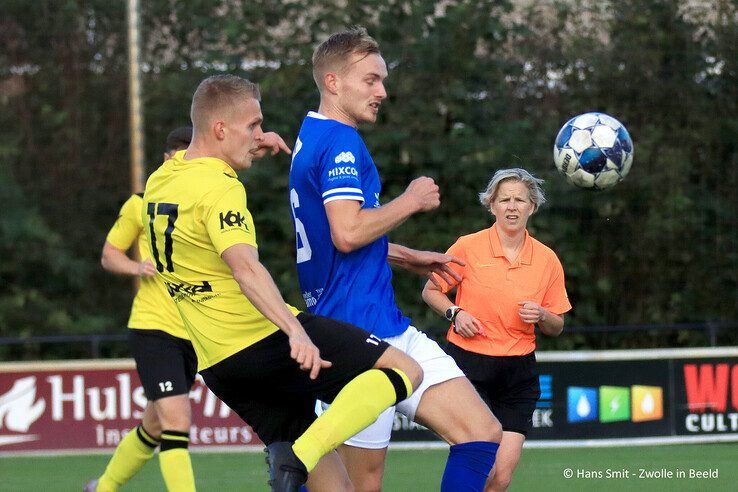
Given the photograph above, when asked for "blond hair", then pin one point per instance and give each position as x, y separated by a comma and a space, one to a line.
219, 93
334, 54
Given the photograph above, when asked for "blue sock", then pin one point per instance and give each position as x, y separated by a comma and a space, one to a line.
303, 488
468, 466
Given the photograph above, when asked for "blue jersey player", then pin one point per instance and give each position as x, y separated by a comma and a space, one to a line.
343, 262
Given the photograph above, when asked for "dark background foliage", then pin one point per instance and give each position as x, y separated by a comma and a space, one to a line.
474, 86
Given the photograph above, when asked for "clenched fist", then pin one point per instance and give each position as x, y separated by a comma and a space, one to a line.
425, 193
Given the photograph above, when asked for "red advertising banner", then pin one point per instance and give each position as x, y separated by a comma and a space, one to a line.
710, 389
90, 405
664, 395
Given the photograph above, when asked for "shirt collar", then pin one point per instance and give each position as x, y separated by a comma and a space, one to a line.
526, 254
319, 116
315, 114
211, 162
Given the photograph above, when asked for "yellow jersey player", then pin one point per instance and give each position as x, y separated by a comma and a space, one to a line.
266, 360
165, 360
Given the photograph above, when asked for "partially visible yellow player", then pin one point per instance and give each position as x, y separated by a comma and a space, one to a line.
165, 359
266, 360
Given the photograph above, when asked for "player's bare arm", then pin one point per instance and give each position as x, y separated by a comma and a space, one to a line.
549, 323
258, 286
115, 260
425, 263
353, 227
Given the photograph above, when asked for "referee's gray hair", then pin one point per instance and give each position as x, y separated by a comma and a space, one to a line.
514, 174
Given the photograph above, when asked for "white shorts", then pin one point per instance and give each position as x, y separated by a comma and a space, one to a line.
437, 366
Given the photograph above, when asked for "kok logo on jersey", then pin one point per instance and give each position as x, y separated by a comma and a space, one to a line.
231, 219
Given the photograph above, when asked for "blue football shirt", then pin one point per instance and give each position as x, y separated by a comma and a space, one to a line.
330, 162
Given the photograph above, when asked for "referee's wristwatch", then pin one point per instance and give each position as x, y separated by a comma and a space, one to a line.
452, 312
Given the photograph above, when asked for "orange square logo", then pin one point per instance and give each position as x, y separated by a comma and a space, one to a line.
647, 403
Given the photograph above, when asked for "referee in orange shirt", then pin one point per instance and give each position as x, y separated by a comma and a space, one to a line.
510, 284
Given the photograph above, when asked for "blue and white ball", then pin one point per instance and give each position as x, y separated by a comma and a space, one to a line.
593, 150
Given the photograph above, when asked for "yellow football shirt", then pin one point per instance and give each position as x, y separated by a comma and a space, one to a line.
152, 308
195, 210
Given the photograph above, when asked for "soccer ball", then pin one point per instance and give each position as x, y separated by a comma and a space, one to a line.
593, 150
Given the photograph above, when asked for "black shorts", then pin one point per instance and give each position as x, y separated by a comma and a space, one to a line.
269, 391
508, 385
167, 365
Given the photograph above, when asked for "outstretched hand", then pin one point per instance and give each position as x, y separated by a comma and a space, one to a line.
269, 142
430, 264
306, 353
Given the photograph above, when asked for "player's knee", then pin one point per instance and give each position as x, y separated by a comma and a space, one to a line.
152, 425
336, 484
371, 485
371, 479
414, 373
492, 431
152, 428
394, 358
496, 431
501, 480
484, 427
345, 485
175, 420
174, 413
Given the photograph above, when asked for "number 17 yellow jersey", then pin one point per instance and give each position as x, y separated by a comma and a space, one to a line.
193, 210
152, 307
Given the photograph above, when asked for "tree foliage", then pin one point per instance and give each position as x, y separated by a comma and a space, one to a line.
474, 86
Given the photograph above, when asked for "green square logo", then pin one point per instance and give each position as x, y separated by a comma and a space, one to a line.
614, 403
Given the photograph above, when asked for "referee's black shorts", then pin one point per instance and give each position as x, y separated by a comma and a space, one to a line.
166, 365
269, 391
507, 384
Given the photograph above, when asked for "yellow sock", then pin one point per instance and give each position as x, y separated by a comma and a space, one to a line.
356, 406
134, 450
175, 463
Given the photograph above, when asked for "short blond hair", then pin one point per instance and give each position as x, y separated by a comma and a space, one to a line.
334, 54
535, 192
219, 93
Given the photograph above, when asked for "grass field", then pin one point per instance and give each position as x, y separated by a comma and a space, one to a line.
413, 470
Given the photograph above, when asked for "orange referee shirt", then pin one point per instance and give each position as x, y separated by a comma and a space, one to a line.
491, 288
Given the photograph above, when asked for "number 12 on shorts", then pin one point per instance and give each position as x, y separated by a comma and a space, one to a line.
166, 386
